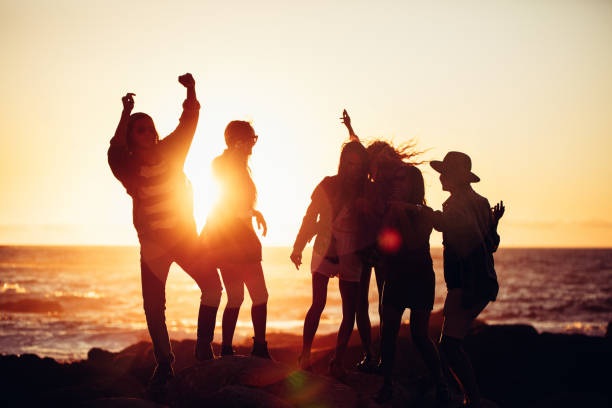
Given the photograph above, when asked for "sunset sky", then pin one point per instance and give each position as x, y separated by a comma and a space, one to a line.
523, 87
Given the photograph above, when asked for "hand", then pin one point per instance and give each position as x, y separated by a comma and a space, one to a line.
187, 80
498, 211
128, 102
261, 222
346, 119
296, 258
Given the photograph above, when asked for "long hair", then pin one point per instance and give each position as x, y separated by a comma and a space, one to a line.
348, 190
135, 117
235, 174
417, 190
390, 157
406, 152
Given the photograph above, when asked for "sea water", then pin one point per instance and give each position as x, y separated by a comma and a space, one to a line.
62, 301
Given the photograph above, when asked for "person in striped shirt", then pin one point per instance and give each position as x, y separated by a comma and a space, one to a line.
151, 170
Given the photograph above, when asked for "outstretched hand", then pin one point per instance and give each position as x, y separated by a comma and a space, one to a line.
187, 80
346, 119
128, 102
498, 211
261, 222
296, 258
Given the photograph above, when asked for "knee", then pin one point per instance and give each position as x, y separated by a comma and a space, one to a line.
234, 300
260, 298
211, 298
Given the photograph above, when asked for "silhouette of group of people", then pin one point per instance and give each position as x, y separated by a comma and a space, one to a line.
371, 215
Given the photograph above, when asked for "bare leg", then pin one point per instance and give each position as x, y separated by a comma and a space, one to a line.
419, 328
363, 316
392, 319
461, 366
349, 291
311, 322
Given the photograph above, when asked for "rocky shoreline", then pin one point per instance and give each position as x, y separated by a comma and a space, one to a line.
516, 367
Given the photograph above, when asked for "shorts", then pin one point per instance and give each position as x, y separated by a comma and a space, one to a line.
458, 319
346, 267
410, 283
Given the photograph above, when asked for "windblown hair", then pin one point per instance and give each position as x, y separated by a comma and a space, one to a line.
406, 152
238, 130
391, 157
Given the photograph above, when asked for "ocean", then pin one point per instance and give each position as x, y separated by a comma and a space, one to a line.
61, 301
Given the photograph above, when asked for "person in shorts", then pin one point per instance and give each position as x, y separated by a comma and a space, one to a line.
409, 280
334, 217
469, 229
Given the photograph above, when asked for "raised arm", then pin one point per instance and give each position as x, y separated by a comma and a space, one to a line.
120, 138
118, 153
179, 141
346, 119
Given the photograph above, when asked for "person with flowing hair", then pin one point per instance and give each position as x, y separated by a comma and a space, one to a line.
151, 170
333, 216
230, 238
409, 279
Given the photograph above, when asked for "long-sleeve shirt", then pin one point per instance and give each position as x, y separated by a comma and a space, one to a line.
161, 193
318, 218
469, 239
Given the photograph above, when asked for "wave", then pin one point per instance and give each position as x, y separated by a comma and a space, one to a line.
32, 306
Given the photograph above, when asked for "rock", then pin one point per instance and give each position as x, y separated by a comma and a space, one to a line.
238, 396
121, 403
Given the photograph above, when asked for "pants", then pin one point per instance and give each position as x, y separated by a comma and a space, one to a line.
155, 264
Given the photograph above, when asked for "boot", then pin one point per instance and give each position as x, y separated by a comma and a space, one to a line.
260, 349
206, 329
228, 326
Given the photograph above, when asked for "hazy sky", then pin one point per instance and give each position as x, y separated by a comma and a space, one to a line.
523, 87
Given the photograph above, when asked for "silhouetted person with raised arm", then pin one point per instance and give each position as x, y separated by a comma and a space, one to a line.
229, 235
151, 170
409, 280
372, 209
333, 216
469, 229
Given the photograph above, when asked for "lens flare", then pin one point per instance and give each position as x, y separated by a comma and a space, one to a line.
389, 240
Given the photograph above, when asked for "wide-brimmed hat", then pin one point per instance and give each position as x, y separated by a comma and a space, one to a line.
456, 165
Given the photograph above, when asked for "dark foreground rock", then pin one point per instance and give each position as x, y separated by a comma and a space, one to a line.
516, 367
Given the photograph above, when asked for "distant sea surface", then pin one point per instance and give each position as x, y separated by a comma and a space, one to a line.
61, 301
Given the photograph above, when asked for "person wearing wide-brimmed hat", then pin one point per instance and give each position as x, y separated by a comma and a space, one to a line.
469, 228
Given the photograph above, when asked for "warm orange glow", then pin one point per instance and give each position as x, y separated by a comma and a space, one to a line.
529, 102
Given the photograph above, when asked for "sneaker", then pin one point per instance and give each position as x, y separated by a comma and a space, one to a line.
336, 370
443, 396
304, 362
385, 394
367, 365
163, 373
227, 350
260, 349
204, 351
